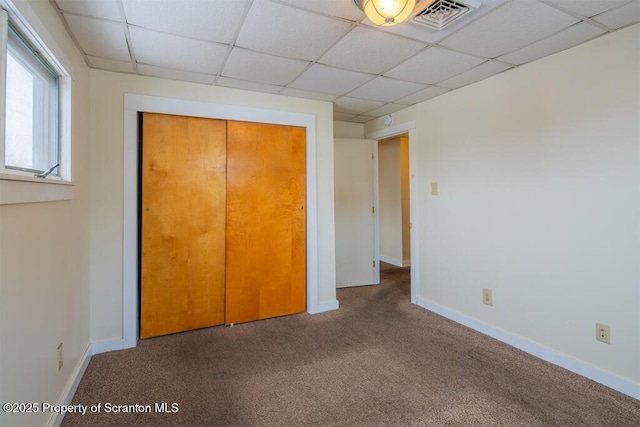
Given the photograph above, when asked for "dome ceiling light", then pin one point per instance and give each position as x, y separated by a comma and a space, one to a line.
386, 12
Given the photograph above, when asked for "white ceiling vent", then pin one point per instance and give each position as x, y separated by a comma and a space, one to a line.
441, 13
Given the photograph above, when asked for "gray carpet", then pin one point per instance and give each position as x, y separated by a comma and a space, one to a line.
378, 360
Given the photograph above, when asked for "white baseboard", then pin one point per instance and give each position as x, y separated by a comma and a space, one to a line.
324, 306
108, 345
584, 369
391, 260
72, 385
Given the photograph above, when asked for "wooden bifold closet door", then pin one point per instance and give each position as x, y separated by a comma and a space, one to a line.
266, 217
182, 223
222, 230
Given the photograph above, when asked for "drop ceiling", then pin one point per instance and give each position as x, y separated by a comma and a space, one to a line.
327, 49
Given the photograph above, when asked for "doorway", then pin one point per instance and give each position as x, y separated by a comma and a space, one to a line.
358, 215
407, 129
394, 211
394, 201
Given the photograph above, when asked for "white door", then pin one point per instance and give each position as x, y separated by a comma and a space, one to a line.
356, 242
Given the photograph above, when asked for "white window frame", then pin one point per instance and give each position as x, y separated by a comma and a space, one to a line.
43, 146
18, 186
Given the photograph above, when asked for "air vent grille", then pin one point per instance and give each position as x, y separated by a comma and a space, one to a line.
442, 13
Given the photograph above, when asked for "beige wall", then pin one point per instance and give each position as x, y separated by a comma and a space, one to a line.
539, 194
44, 269
107, 96
348, 130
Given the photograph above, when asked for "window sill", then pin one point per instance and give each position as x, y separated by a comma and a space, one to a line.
24, 189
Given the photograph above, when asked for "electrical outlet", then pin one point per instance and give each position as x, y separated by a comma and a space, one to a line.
434, 188
60, 359
487, 296
603, 333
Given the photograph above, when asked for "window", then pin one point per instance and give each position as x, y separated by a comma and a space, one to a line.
31, 109
35, 109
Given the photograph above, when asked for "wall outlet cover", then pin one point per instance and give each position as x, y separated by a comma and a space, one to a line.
603, 333
487, 296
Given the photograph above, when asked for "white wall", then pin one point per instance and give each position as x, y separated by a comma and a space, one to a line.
348, 130
44, 269
390, 201
107, 109
539, 182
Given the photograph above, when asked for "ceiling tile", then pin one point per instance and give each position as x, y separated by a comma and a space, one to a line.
354, 105
362, 119
414, 31
203, 19
344, 9
370, 51
322, 78
572, 36
478, 73
423, 33
621, 17
385, 89
344, 117
423, 95
588, 8
262, 68
184, 76
177, 53
289, 91
509, 28
282, 30
99, 38
105, 9
433, 65
110, 64
189, 41
245, 85
386, 109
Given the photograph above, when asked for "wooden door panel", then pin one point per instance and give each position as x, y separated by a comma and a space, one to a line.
182, 224
266, 221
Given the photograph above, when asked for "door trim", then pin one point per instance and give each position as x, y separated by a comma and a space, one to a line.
410, 129
133, 104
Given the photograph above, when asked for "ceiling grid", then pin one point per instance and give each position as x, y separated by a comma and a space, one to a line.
327, 49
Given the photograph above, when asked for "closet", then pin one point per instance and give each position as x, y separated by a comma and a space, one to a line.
222, 222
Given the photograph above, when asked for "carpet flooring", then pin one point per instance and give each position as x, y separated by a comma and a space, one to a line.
377, 361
